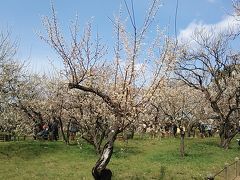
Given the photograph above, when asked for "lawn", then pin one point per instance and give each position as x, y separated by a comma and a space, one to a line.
138, 159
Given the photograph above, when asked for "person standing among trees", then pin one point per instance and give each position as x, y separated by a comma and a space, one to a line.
73, 129
35, 131
37, 127
174, 127
54, 129
45, 132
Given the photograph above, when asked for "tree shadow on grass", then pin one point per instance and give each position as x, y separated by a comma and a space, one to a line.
29, 149
215, 144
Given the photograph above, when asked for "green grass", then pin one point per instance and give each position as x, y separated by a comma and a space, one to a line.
137, 159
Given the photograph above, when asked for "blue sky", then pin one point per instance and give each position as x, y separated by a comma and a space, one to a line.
23, 18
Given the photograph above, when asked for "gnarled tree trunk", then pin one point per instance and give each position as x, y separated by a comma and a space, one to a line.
99, 171
227, 133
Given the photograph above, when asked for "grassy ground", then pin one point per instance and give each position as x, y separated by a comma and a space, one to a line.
137, 159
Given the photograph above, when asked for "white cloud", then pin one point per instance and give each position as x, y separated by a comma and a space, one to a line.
226, 24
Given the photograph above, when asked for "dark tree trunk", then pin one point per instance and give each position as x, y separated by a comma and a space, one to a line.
66, 140
189, 130
225, 140
99, 171
68, 134
182, 148
100, 132
97, 142
227, 133
97, 148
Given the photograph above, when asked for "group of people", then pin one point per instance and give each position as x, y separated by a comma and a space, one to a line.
206, 130
173, 129
156, 130
47, 131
